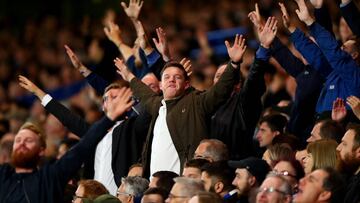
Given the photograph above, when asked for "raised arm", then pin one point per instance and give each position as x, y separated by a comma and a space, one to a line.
221, 91
308, 49
96, 81
161, 44
73, 122
113, 33
337, 58
354, 103
351, 15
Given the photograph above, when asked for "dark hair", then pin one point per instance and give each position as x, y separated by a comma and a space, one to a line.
165, 179
220, 171
291, 140
157, 191
299, 170
176, 65
356, 128
276, 122
334, 183
331, 129
196, 163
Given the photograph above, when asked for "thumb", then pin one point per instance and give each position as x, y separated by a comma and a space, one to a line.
227, 44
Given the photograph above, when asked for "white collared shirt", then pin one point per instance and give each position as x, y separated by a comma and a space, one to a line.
164, 156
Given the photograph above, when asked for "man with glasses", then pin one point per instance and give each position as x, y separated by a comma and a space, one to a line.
132, 188
274, 189
184, 189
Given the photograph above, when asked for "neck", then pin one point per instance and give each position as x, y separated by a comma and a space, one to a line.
252, 195
23, 170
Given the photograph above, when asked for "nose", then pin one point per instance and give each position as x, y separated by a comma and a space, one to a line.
338, 148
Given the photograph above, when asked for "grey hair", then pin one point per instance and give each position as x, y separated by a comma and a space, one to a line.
285, 185
216, 149
135, 185
190, 186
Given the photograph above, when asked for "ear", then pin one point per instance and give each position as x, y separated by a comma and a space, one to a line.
187, 84
252, 180
219, 187
160, 85
130, 199
276, 133
355, 55
324, 196
357, 153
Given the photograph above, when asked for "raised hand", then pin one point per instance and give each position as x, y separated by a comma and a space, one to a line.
76, 62
268, 33
119, 104
317, 3
303, 13
133, 10
338, 111
113, 32
256, 18
122, 69
142, 40
161, 44
354, 103
187, 65
31, 87
286, 19
236, 52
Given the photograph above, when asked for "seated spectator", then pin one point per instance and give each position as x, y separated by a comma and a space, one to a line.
249, 175
184, 189
277, 152
205, 197
326, 129
291, 170
321, 154
349, 150
163, 180
269, 127
89, 189
132, 189
135, 170
212, 150
154, 195
275, 188
217, 178
322, 185
192, 168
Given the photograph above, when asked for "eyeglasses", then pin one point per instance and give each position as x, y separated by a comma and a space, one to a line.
172, 196
283, 173
75, 197
123, 193
268, 190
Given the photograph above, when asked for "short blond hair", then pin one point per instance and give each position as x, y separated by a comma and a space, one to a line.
37, 130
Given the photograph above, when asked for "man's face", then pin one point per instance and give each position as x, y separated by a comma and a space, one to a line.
207, 181
192, 172
201, 150
109, 96
152, 198
270, 191
315, 133
79, 194
265, 135
176, 196
219, 73
26, 149
311, 187
173, 83
242, 181
345, 148
122, 195
151, 81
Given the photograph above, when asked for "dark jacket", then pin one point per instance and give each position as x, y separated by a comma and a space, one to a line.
127, 138
235, 121
353, 188
47, 184
187, 116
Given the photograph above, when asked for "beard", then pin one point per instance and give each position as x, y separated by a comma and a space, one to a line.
25, 159
350, 164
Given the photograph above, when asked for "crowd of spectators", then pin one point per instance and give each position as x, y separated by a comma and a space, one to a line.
178, 101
